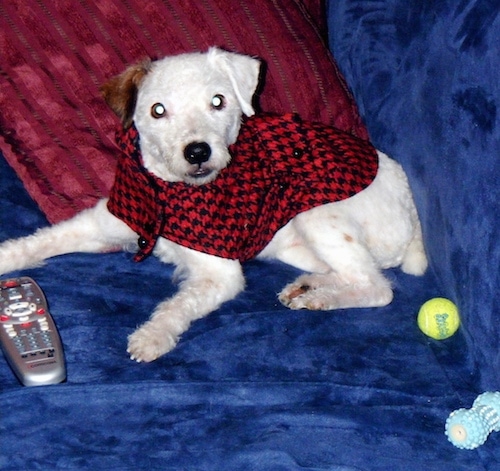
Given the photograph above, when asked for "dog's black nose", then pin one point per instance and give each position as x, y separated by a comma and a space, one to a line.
197, 152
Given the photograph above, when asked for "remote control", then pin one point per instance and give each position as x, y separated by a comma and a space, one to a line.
28, 334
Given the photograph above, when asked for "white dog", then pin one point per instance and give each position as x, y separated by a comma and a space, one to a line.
187, 110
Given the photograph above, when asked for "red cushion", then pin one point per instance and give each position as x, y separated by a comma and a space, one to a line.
58, 133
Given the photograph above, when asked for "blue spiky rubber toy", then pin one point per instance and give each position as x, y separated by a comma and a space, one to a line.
469, 428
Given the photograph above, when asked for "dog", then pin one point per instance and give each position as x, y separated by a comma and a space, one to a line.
187, 110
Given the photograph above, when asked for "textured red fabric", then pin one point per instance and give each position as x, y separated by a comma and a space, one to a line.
57, 132
280, 166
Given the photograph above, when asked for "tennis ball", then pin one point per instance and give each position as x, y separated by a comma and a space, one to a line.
438, 318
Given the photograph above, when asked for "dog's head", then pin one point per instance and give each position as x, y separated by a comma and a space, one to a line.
187, 109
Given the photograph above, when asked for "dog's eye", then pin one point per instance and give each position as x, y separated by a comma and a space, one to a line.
158, 111
218, 102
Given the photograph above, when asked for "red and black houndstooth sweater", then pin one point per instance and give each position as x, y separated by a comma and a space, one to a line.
280, 166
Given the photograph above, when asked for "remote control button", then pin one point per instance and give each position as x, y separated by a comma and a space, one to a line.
19, 305
4, 318
14, 295
41, 311
21, 314
10, 283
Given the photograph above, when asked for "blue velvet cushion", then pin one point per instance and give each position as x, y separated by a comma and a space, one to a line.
253, 386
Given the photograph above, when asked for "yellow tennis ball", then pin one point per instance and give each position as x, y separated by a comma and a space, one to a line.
438, 318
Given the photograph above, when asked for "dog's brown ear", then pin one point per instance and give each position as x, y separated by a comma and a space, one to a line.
120, 92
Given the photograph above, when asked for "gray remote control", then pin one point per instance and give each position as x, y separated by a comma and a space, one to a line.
28, 336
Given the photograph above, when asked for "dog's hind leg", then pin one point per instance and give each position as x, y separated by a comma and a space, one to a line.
352, 277
318, 291
92, 230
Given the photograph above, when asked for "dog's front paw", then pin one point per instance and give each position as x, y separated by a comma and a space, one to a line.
149, 343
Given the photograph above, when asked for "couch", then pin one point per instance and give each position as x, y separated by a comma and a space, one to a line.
255, 386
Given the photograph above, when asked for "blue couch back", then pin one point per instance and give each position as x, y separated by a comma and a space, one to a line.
426, 78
